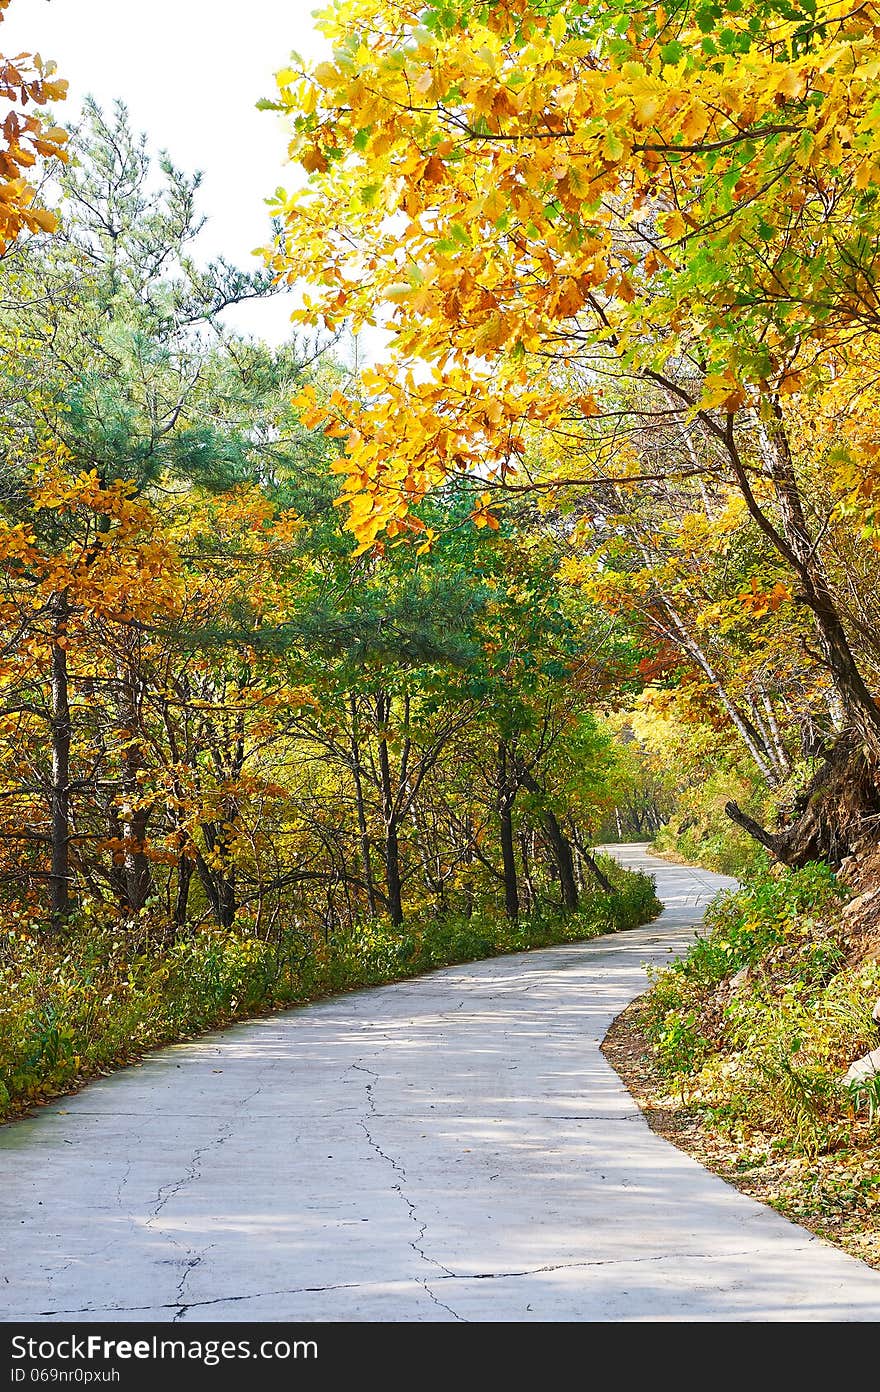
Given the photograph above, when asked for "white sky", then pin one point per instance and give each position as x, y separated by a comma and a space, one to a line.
190, 72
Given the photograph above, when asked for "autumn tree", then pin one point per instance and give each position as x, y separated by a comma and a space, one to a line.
538, 201
120, 385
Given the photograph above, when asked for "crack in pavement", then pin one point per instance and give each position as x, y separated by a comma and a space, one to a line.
367, 1285
193, 1256
126, 1175
193, 1261
166, 1192
416, 1243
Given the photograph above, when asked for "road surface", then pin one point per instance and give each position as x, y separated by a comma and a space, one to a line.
451, 1148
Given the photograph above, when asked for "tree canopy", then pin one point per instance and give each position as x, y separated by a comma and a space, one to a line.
626, 264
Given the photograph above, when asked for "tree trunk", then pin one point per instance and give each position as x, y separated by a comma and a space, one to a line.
181, 898
392, 847
561, 848
559, 843
467, 886
363, 831
116, 873
835, 813
138, 875
208, 877
508, 859
226, 897
525, 857
392, 875
60, 787
506, 796
750, 737
782, 758
599, 875
219, 878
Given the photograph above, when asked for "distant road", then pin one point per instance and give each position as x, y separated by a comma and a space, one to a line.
451, 1148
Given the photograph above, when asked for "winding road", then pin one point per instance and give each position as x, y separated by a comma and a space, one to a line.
454, 1147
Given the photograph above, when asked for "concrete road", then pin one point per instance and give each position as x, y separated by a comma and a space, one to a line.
452, 1148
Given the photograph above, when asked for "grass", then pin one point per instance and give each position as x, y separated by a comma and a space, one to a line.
101, 995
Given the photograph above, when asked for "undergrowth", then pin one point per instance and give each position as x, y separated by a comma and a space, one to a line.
715, 842
99, 996
757, 1024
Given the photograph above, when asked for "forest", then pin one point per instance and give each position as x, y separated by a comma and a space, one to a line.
320, 666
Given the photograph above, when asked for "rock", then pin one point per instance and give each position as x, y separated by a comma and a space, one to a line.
741, 977
864, 1068
860, 903
846, 867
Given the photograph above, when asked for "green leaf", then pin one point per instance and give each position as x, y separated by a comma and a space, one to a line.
672, 52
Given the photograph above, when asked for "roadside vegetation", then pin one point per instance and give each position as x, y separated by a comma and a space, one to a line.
102, 995
739, 1051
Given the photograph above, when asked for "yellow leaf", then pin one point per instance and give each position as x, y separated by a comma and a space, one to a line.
328, 75
674, 226
558, 27
44, 219
790, 383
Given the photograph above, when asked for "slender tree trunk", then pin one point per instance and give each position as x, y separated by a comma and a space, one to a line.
392, 846
227, 901
227, 878
181, 898
746, 730
218, 878
506, 796
758, 722
468, 860
60, 787
773, 725
363, 830
559, 843
116, 873
208, 878
138, 875
392, 876
677, 632
561, 848
835, 709
800, 550
185, 863
508, 859
525, 857
598, 874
